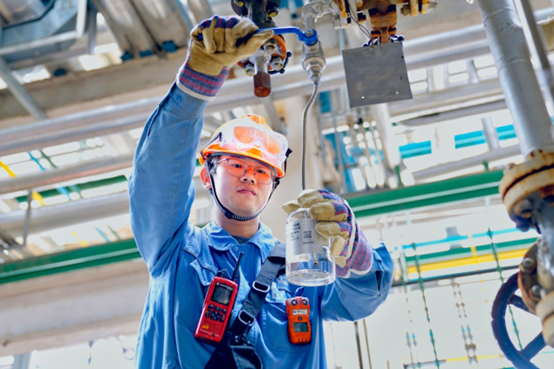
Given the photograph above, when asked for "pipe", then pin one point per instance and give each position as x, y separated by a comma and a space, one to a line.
46, 218
66, 214
454, 114
19, 92
536, 43
235, 92
473, 161
64, 174
380, 114
491, 136
517, 77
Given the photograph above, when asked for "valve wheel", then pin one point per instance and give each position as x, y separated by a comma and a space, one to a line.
506, 296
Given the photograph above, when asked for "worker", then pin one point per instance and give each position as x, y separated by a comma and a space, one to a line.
241, 174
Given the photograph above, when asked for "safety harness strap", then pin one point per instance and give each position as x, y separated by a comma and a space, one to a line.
234, 351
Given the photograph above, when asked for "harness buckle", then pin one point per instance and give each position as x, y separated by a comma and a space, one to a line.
248, 320
260, 287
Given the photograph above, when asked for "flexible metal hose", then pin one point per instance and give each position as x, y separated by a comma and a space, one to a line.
304, 124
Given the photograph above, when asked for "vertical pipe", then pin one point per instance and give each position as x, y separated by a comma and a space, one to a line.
517, 77
22, 361
536, 42
91, 28
381, 115
338, 145
491, 135
27, 224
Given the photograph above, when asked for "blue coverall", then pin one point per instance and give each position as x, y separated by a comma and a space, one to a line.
182, 259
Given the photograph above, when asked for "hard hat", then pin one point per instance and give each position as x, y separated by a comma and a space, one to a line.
251, 137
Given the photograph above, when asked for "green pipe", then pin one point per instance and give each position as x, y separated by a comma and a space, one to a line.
68, 261
80, 187
366, 204
429, 194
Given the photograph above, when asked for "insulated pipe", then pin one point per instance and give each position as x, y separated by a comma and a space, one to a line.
517, 77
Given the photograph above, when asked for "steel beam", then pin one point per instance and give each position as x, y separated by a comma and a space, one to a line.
20, 93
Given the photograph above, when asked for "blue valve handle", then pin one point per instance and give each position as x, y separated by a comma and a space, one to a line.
506, 296
308, 40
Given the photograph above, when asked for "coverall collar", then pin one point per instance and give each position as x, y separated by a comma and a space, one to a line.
220, 239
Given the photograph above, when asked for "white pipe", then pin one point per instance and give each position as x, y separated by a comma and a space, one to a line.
381, 115
236, 92
39, 181
466, 163
517, 77
70, 213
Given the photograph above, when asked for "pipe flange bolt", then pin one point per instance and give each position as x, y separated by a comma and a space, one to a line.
522, 180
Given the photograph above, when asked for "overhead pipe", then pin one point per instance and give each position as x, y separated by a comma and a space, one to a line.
62, 215
451, 167
48, 178
517, 77
70, 213
454, 114
236, 92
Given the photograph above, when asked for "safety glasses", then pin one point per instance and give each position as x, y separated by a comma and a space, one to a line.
239, 168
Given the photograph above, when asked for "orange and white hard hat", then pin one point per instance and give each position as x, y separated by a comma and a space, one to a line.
251, 137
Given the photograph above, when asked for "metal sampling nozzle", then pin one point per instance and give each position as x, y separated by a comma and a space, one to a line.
313, 61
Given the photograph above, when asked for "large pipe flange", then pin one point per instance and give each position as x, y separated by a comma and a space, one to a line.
525, 185
545, 311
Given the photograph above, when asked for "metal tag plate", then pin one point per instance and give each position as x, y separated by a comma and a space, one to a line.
376, 74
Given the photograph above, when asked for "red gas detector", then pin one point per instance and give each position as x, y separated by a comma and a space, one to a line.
218, 306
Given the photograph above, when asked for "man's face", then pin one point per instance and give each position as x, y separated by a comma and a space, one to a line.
244, 194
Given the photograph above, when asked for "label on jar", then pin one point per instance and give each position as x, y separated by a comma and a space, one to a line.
302, 237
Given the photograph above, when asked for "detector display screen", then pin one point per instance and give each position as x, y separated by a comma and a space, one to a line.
300, 327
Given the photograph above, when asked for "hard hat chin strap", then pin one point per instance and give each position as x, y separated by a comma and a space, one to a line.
228, 213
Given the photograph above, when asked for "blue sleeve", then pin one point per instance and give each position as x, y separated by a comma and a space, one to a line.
359, 296
161, 187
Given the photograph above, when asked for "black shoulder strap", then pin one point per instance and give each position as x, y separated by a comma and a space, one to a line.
225, 353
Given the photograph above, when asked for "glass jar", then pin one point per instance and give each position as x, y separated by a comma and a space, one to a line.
309, 260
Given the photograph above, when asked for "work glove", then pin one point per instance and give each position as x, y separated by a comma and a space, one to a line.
349, 247
216, 44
